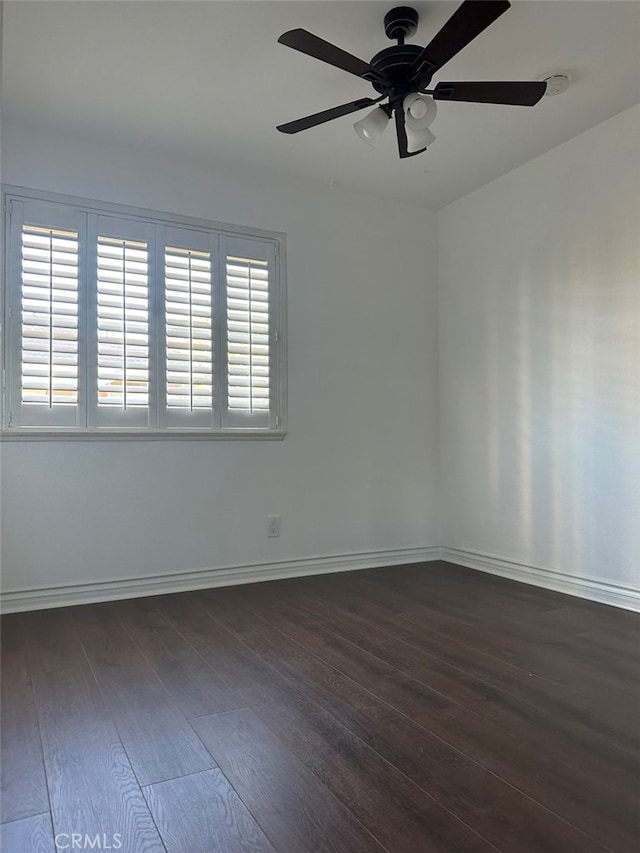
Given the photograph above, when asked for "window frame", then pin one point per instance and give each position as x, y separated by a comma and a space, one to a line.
224, 424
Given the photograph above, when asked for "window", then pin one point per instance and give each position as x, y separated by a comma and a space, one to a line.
122, 321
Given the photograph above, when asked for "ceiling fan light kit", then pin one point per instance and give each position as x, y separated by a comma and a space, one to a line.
400, 75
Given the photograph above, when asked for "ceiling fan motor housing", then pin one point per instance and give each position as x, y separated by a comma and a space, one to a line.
394, 63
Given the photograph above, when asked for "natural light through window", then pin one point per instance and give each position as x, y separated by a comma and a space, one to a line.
188, 318
49, 345
248, 333
129, 322
123, 323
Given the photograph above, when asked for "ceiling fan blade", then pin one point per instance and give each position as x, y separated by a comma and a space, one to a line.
401, 133
519, 94
467, 22
323, 50
326, 115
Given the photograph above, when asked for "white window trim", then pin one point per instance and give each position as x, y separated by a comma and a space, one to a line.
277, 330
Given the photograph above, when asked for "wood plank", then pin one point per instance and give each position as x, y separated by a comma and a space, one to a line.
515, 631
468, 677
495, 810
612, 714
92, 787
195, 687
403, 709
365, 640
614, 618
159, 741
394, 810
448, 593
517, 732
24, 787
521, 745
567, 630
558, 773
585, 631
297, 812
29, 835
364, 653
202, 813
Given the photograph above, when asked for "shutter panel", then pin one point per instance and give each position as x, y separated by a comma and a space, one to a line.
123, 323
45, 357
49, 316
248, 333
121, 313
188, 306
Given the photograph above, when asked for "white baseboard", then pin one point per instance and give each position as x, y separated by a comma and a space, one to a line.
595, 590
63, 595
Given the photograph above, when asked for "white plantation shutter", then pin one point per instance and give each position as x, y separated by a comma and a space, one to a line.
188, 305
119, 320
45, 358
121, 392
49, 316
249, 332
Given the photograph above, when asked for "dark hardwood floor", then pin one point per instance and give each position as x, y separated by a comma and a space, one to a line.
409, 709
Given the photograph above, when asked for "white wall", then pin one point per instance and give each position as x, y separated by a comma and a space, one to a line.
540, 360
540, 378
358, 470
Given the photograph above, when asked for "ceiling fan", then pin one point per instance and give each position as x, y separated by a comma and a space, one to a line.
400, 74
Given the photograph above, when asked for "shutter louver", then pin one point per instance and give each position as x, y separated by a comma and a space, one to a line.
247, 335
122, 323
49, 331
188, 319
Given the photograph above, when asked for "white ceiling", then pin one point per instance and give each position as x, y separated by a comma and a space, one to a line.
208, 78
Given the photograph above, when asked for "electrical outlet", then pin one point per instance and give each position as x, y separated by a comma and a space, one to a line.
273, 525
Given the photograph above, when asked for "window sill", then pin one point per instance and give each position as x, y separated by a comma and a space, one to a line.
142, 435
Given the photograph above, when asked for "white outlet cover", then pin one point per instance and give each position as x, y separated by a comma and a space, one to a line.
273, 525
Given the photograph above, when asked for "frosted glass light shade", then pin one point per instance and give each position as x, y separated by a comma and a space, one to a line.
419, 111
418, 139
370, 128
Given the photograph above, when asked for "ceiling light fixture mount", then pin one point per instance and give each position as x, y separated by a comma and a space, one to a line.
400, 75
401, 23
